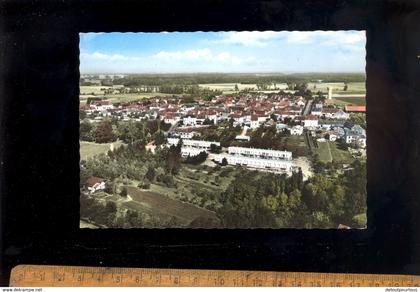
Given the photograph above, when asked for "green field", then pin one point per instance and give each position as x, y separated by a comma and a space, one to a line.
350, 100
339, 155
97, 90
90, 149
230, 87
324, 152
338, 87
328, 152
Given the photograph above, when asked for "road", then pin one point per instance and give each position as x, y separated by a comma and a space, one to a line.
308, 107
173, 127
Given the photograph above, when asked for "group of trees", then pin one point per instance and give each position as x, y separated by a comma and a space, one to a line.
136, 80
110, 130
273, 200
224, 132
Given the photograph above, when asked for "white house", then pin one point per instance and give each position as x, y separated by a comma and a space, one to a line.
273, 165
255, 123
189, 121
317, 109
260, 153
296, 130
243, 138
199, 144
190, 151
186, 135
94, 184
310, 121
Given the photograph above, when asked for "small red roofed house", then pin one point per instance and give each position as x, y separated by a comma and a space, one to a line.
310, 121
94, 184
254, 122
355, 108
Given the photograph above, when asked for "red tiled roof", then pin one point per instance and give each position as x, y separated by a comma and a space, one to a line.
311, 117
355, 108
93, 181
330, 110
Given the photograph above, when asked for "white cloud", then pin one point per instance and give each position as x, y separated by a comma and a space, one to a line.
98, 56
329, 38
205, 55
184, 55
264, 38
248, 38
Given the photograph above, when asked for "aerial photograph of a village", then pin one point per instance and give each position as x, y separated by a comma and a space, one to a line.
249, 129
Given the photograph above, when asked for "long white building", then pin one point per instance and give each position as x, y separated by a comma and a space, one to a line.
199, 144
274, 165
260, 153
189, 151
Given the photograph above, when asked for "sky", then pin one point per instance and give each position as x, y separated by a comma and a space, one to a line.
224, 52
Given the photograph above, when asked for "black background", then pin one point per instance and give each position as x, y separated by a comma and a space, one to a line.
39, 178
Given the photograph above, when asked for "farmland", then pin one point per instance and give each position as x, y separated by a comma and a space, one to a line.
349, 100
158, 204
338, 87
227, 88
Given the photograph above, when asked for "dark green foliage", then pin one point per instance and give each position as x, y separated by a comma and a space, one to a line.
159, 138
85, 131
271, 200
124, 192
150, 174
224, 162
200, 158
104, 133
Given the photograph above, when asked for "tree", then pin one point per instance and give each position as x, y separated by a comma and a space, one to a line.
214, 148
173, 161
150, 174
159, 138
197, 159
236, 87
104, 132
345, 87
124, 192
85, 131
224, 161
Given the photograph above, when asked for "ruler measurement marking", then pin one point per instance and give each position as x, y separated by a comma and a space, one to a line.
90, 276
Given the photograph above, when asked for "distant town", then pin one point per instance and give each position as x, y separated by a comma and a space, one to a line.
185, 151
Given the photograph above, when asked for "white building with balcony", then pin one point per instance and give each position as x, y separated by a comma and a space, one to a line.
272, 165
260, 153
199, 144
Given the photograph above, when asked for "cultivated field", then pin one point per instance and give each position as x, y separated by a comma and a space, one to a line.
162, 206
90, 149
230, 87
338, 87
93, 90
349, 100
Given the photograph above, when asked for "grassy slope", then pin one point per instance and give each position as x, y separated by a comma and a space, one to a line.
324, 152
341, 156
90, 149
